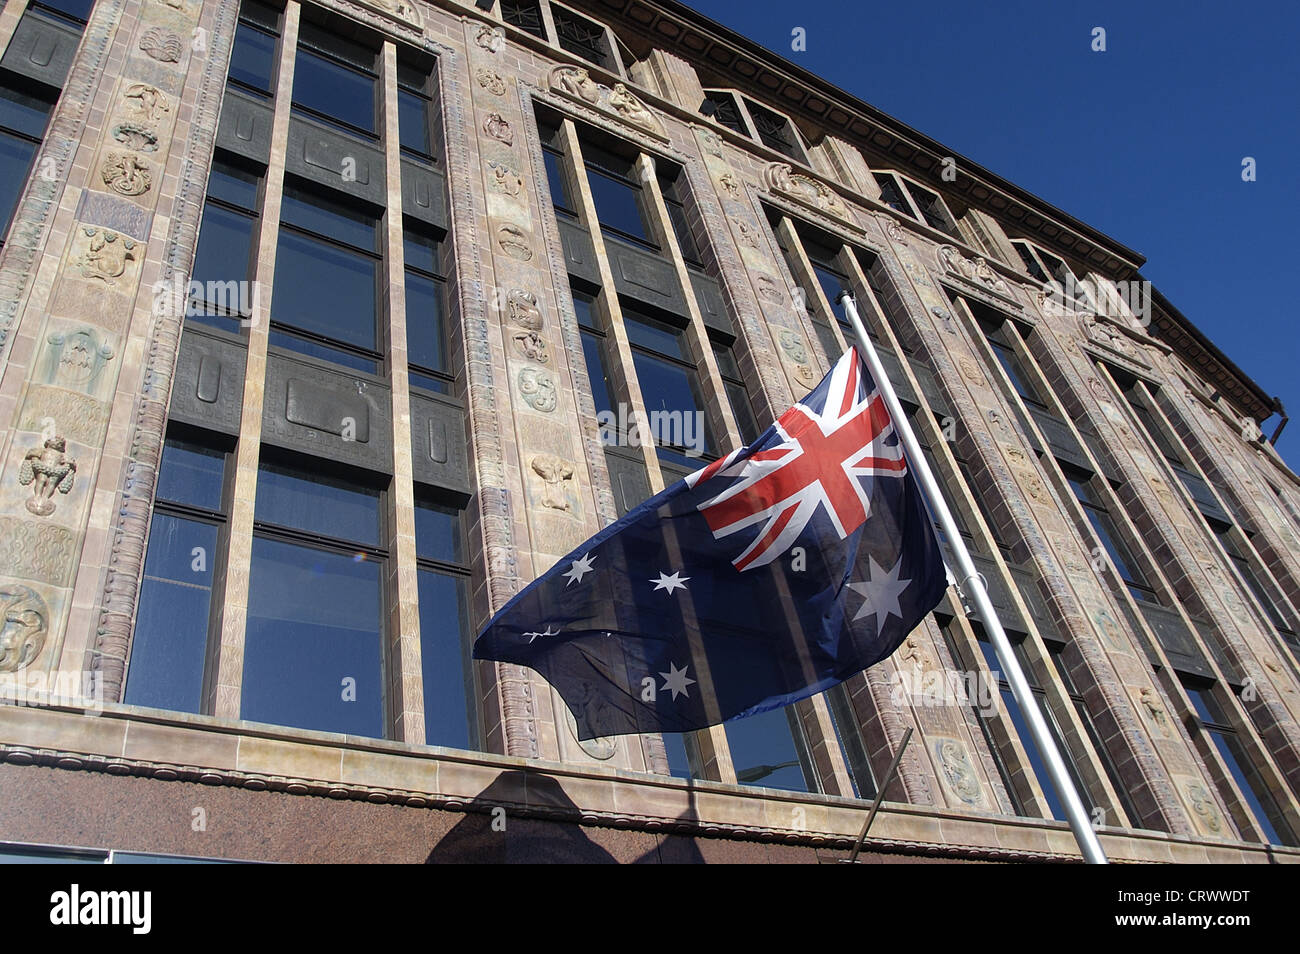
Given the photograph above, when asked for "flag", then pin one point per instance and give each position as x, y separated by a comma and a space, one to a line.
768, 576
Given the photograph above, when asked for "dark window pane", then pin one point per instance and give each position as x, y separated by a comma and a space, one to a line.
673, 403
738, 397
654, 335
191, 474
556, 181
413, 123
437, 385
324, 289
334, 90
252, 60
617, 205
725, 111
221, 261
23, 112
679, 762
593, 353
580, 36
317, 504
891, 195
78, 10
1036, 762
171, 629
15, 162
1010, 362
438, 533
284, 339
325, 217
443, 660
582, 308
764, 753
832, 284
425, 340
234, 185
313, 645
525, 14
420, 250
1030, 263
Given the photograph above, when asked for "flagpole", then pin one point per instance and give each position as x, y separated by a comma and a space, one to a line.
972, 584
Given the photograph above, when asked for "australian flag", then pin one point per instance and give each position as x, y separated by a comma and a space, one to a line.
768, 576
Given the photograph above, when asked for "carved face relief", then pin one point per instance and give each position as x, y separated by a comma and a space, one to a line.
162, 45
523, 310
623, 102
514, 242
23, 628
499, 129
712, 144
556, 475
126, 173
538, 389
46, 469
577, 82
491, 81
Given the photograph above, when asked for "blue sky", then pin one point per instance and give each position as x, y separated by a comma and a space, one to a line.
1144, 141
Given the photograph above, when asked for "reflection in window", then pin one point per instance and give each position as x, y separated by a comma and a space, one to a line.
426, 311
415, 110
672, 183
170, 641
445, 637
670, 388
221, 280
553, 156
617, 196
313, 645
334, 80
768, 750
252, 55
1103, 525
24, 113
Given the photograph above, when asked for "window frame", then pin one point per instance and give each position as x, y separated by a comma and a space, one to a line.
314, 38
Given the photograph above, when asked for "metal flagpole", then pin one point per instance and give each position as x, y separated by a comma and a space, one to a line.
972, 584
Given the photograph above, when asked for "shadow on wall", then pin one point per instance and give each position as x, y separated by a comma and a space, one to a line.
485, 837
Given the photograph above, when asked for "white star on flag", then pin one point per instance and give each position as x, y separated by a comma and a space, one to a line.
579, 568
676, 681
670, 583
880, 593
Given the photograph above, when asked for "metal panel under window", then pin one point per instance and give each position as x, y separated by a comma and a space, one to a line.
1059, 439
1179, 644
645, 277
42, 49
424, 194
208, 388
438, 454
245, 126
1201, 493
627, 478
708, 295
579, 256
336, 160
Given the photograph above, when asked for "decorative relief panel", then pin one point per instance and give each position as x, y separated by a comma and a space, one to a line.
977, 276
617, 102
780, 179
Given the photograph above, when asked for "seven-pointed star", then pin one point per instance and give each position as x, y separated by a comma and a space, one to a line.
579, 568
670, 583
676, 681
880, 592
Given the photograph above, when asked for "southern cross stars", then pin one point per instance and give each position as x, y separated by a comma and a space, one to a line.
676, 681
579, 568
880, 593
670, 583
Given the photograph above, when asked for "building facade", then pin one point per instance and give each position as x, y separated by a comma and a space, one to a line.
328, 325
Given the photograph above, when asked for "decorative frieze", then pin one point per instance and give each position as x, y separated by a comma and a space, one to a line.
616, 102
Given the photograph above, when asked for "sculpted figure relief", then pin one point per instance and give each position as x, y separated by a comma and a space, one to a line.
554, 472
24, 627
47, 469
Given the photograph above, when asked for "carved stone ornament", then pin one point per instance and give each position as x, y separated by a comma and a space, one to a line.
106, 256
730, 185
780, 178
403, 10
126, 173
712, 143
47, 469
1203, 805
601, 749
556, 474
496, 127
491, 81
957, 770
768, 290
537, 387
76, 359
23, 629
618, 102
1155, 711
975, 270
913, 652
523, 310
793, 346
970, 369
514, 242
531, 345
1105, 335
747, 233
490, 38
162, 45
136, 136
504, 180
891, 228
805, 375
147, 102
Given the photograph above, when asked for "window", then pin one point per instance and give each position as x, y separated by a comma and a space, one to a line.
1227, 536
1002, 338
582, 38
722, 107
426, 309
313, 646
1056, 653
445, 637
176, 608
1052, 271
1214, 723
1140, 401
737, 393
326, 278
553, 155
220, 292
525, 14
891, 193
415, 103
69, 11
671, 390
672, 183
769, 750
916, 202
25, 108
1021, 725
616, 192
1103, 525
776, 131
847, 733
252, 55
334, 80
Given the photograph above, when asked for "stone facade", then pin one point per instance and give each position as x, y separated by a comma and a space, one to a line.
95, 363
